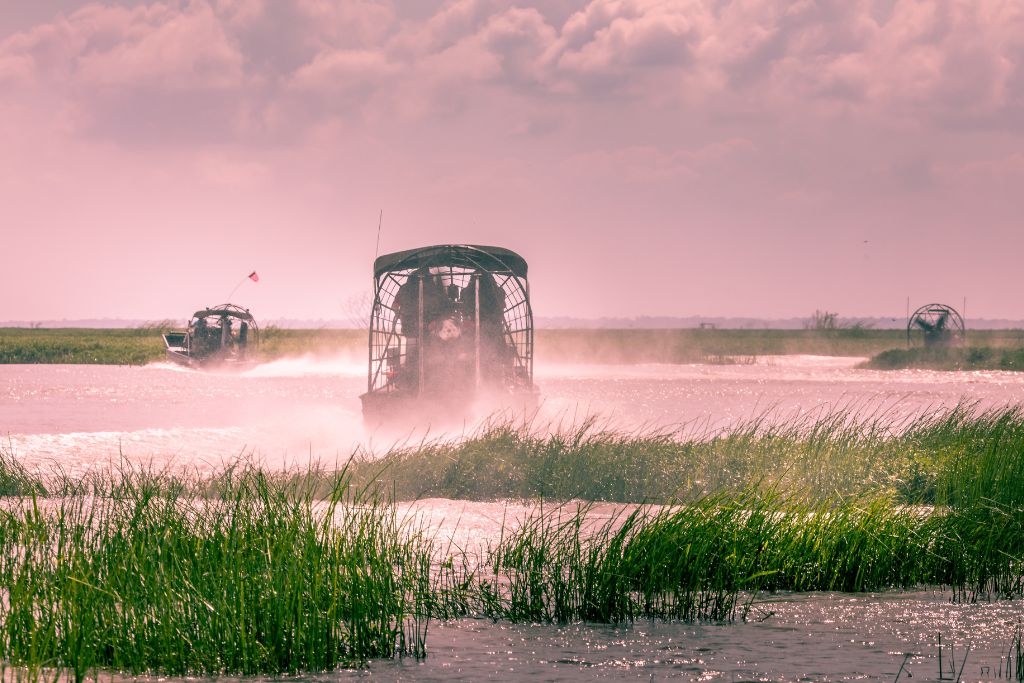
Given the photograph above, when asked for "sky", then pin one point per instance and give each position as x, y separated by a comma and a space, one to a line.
758, 158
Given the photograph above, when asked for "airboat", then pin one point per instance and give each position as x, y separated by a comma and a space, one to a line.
937, 325
223, 336
451, 334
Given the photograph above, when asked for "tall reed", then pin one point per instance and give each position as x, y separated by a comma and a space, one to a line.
257, 578
941, 456
278, 572
698, 561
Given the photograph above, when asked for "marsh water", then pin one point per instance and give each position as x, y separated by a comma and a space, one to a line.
288, 412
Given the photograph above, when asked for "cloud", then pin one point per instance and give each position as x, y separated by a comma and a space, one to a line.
619, 45
236, 67
163, 46
156, 48
944, 61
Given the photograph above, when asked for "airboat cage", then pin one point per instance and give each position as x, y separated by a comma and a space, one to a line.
450, 319
937, 325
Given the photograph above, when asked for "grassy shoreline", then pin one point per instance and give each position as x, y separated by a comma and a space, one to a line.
140, 346
250, 571
950, 359
144, 345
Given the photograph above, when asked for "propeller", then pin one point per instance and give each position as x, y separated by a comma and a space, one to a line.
940, 324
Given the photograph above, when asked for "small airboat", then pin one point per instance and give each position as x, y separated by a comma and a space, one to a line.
451, 332
223, 336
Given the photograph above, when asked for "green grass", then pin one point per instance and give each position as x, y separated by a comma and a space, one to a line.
255, 572
69, 345
253, 576
277, 342
15, 480
926, 459
993, 349
965, 358
705, 559
140, 346
699, 346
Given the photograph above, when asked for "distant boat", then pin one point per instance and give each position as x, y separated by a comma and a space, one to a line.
451, 331
223, 336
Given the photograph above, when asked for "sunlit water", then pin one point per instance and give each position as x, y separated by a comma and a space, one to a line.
291, 411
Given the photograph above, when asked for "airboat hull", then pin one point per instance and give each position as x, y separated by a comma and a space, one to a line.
210, 362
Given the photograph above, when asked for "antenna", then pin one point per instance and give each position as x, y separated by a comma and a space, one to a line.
964, 318
380, 220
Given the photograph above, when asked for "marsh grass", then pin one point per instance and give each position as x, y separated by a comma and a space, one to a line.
941, 456
705, 345
991, 349
253, 577
831, 503
139, 346
708, 559
963, 358
143, 345
73, 345
256, 572
15, 479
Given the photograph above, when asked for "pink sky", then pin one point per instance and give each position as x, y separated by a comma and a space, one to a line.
750, 158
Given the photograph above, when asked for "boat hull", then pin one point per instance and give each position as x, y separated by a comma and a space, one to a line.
217, 362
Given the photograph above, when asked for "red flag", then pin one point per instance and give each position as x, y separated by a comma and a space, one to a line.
254, 277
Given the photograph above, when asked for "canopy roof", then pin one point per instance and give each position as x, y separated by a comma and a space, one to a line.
225, 309
490, 259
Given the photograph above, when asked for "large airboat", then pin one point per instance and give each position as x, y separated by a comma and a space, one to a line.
451, 332
224, 336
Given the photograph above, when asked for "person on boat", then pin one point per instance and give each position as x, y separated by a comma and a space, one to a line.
407, 310
407, 300
493, 349
199, 337
226, 338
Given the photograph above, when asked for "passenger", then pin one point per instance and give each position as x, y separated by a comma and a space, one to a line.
407, 310
492, 303
435, 302
493, 348
199, 337
226, 340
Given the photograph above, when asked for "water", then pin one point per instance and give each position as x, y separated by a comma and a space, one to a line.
291, 411
812, 637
